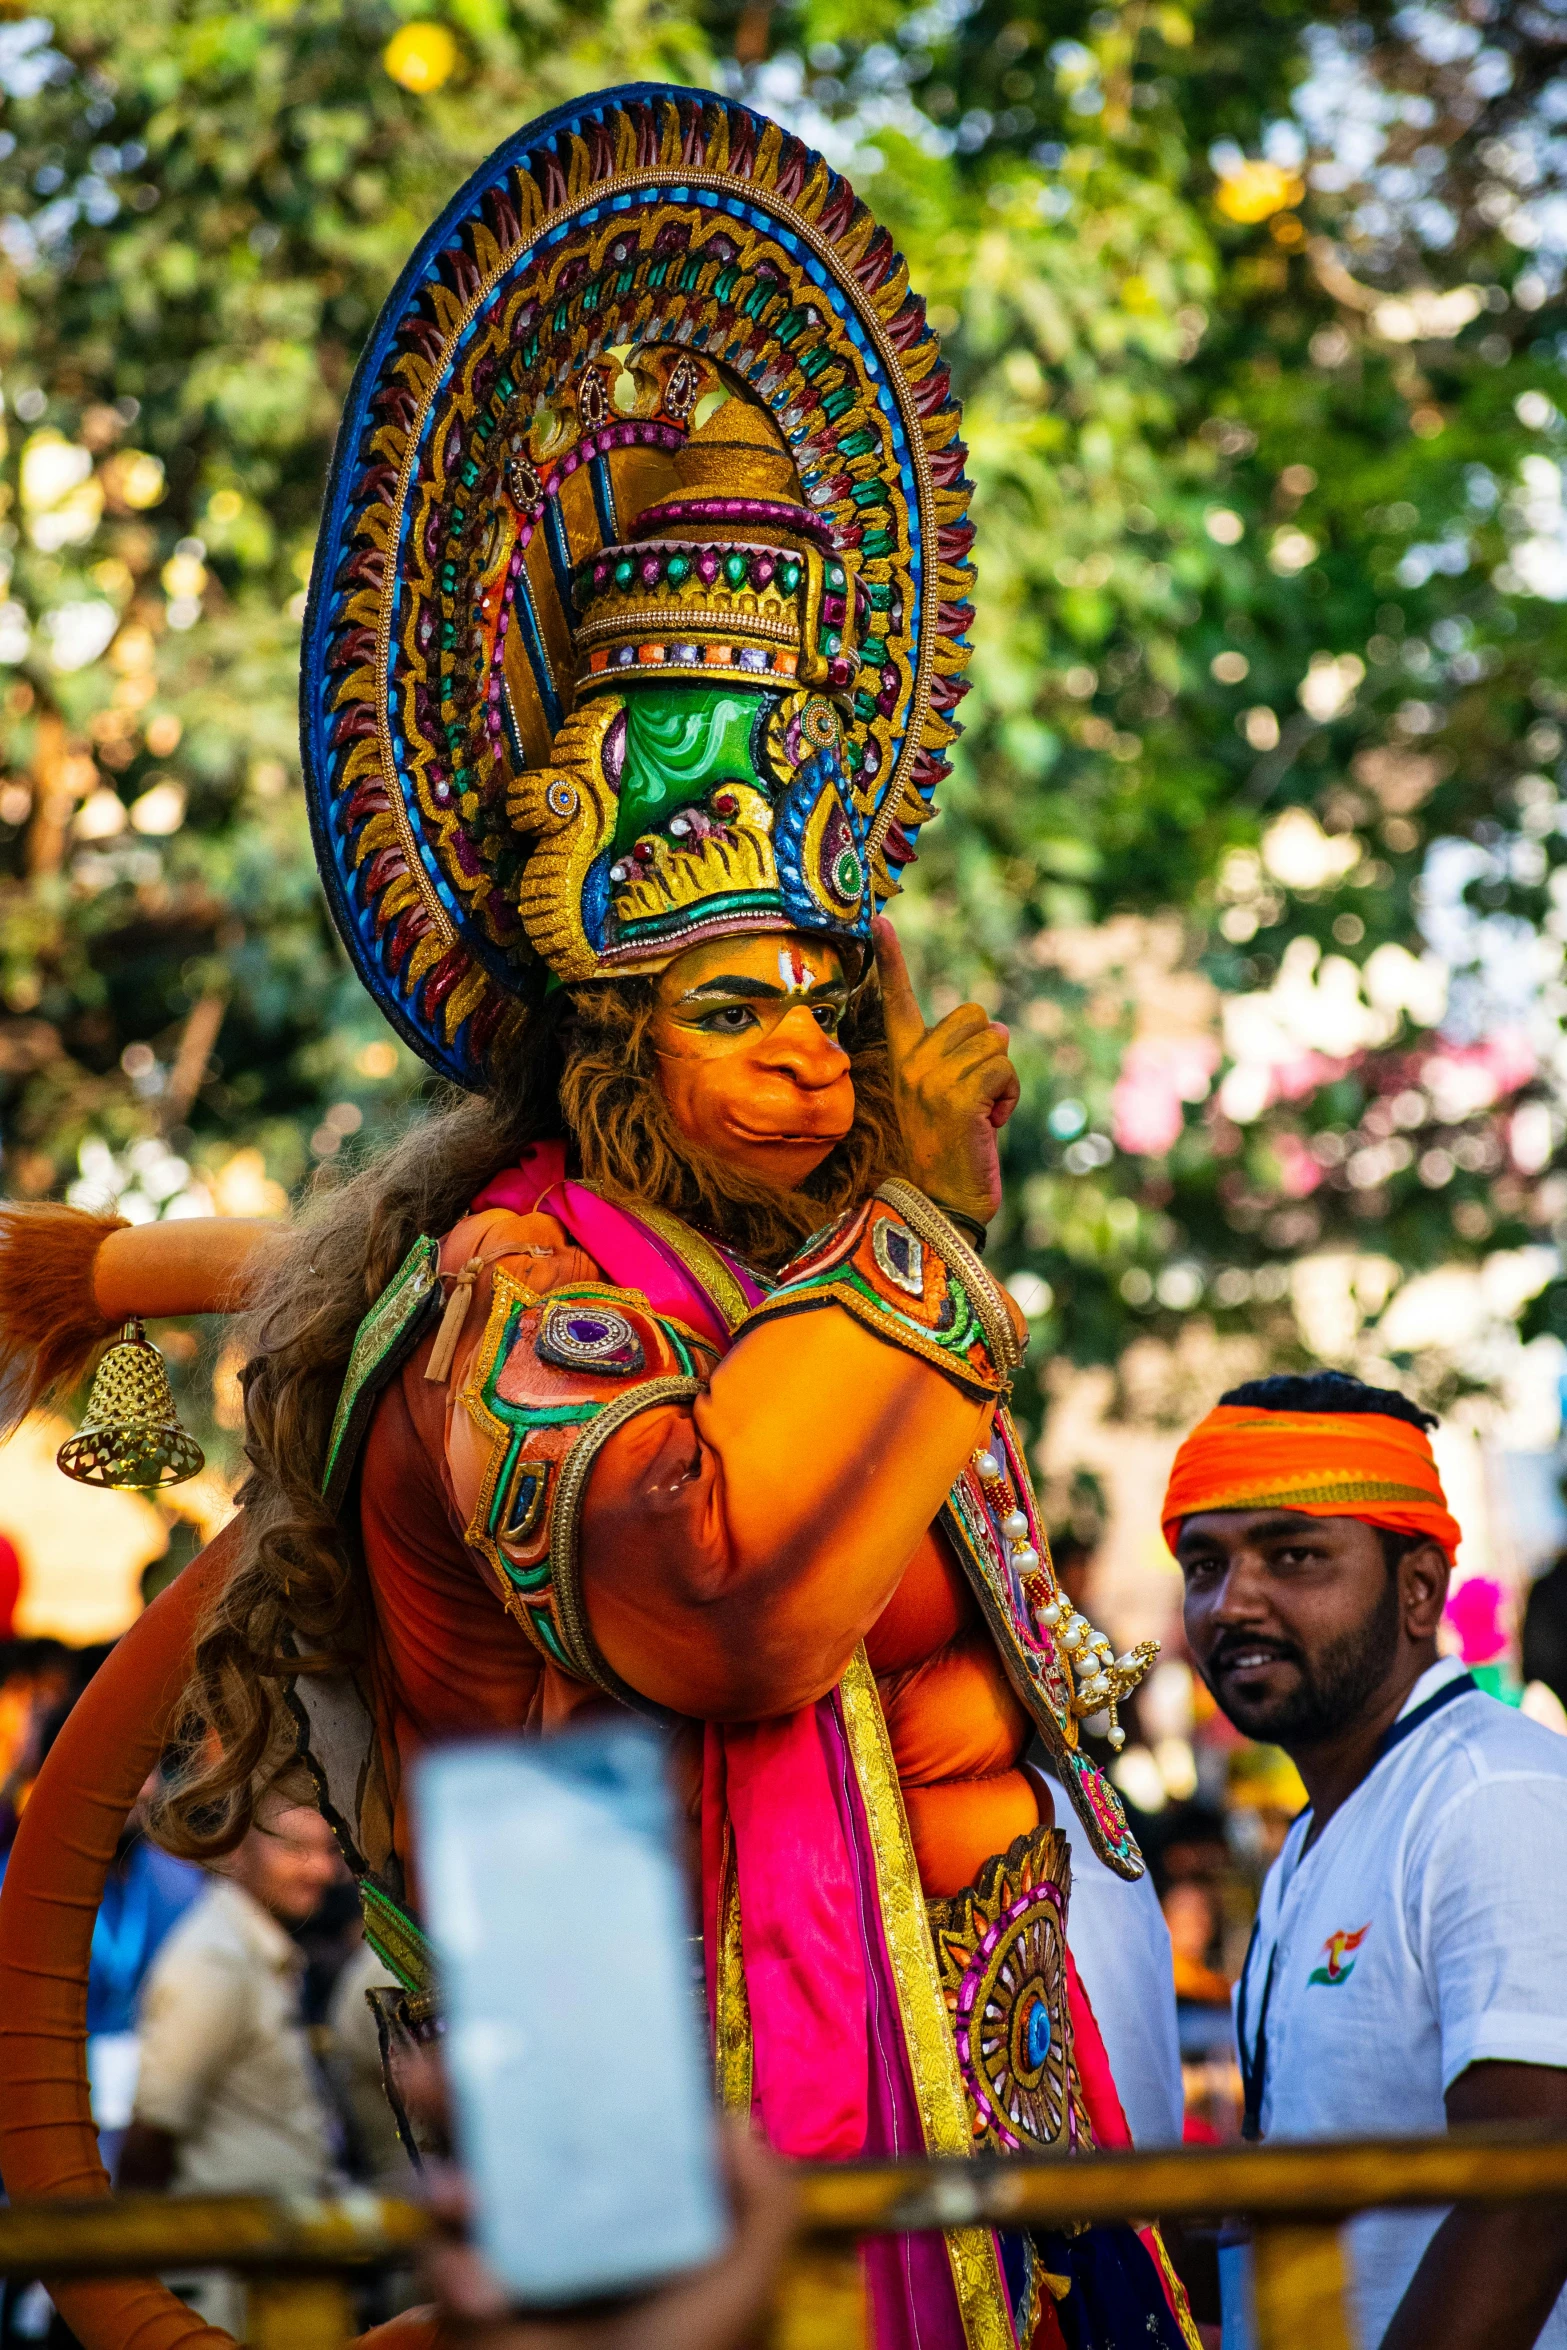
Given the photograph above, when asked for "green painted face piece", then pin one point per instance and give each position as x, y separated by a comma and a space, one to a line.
681, 741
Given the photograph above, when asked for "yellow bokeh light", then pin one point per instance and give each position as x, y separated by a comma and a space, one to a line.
242, 1187
421, 57
1255, 190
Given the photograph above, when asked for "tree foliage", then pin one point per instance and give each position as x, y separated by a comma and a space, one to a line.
1254, 828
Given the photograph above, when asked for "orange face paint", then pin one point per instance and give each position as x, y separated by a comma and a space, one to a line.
749, 1062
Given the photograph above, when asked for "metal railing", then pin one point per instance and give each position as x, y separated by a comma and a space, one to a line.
299, 2256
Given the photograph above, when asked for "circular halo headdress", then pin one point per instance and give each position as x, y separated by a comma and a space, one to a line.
639, 608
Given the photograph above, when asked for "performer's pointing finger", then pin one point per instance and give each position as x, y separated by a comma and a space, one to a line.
900, 1005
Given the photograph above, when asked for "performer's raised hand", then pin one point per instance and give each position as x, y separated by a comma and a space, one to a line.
955, 1088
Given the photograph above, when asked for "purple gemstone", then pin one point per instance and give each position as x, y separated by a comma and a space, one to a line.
650, 569
753, 657
707, 565
601, 575
585, 1331
684, 656
832, 610
762, 569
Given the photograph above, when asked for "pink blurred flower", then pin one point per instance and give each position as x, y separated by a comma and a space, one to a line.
1474, 1610
1292, 1080
1159, 1076
1464, 1078
1299, 1173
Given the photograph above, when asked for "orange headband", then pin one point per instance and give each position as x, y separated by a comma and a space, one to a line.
1327, 1464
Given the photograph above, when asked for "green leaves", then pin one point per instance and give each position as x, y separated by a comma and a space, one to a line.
201, 210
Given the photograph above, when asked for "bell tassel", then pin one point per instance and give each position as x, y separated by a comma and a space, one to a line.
131, 1436
439, 1367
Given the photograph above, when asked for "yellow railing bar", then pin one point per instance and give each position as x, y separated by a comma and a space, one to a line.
127, 2235
1317, 2181
299, 2249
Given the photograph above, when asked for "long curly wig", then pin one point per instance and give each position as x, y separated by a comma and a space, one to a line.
294, 1599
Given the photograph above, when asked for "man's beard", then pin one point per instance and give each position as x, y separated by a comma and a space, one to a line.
1332, 1689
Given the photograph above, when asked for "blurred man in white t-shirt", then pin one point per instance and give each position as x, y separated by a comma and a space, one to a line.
1409, 1966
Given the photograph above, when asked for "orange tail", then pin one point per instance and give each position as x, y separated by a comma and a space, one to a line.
51, 1324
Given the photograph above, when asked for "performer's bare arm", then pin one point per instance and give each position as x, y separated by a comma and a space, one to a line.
1489, 2277
734, 1552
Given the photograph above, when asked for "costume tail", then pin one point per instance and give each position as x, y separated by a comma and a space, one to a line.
51, 1324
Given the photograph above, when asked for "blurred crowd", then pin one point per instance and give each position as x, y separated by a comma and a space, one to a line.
230, 2045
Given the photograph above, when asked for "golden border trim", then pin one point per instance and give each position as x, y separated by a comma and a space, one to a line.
505, 1292
698, 1256
571, 1480
733, 2055
927, 2028
1252, 1492
931, 1226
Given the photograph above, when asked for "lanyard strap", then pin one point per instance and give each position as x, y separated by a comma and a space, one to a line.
1254, 2062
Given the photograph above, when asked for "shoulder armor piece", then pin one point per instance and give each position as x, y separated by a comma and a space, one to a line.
900, 1268
550, 1382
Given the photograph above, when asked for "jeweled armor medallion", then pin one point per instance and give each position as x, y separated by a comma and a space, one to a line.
590, 1338
1001, 1948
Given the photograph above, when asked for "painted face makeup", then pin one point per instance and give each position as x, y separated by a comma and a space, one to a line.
749, 1061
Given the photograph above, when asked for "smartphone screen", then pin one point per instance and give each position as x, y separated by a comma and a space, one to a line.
575, 2049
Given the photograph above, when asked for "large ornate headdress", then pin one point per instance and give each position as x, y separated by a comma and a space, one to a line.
640, 602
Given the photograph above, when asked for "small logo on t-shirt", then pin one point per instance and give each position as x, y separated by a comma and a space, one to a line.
1335, 1950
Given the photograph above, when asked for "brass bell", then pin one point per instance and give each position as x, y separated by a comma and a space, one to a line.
131, 1435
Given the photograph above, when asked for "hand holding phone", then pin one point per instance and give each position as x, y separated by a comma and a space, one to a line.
575, 2052
717, 2308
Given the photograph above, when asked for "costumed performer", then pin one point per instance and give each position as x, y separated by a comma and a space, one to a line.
666, 1373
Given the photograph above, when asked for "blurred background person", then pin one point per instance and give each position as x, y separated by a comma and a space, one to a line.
228, 2100
1118, 1939
147, 1893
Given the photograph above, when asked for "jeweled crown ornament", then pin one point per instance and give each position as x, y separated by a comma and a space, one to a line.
639, 610
704, 783
130, 1435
